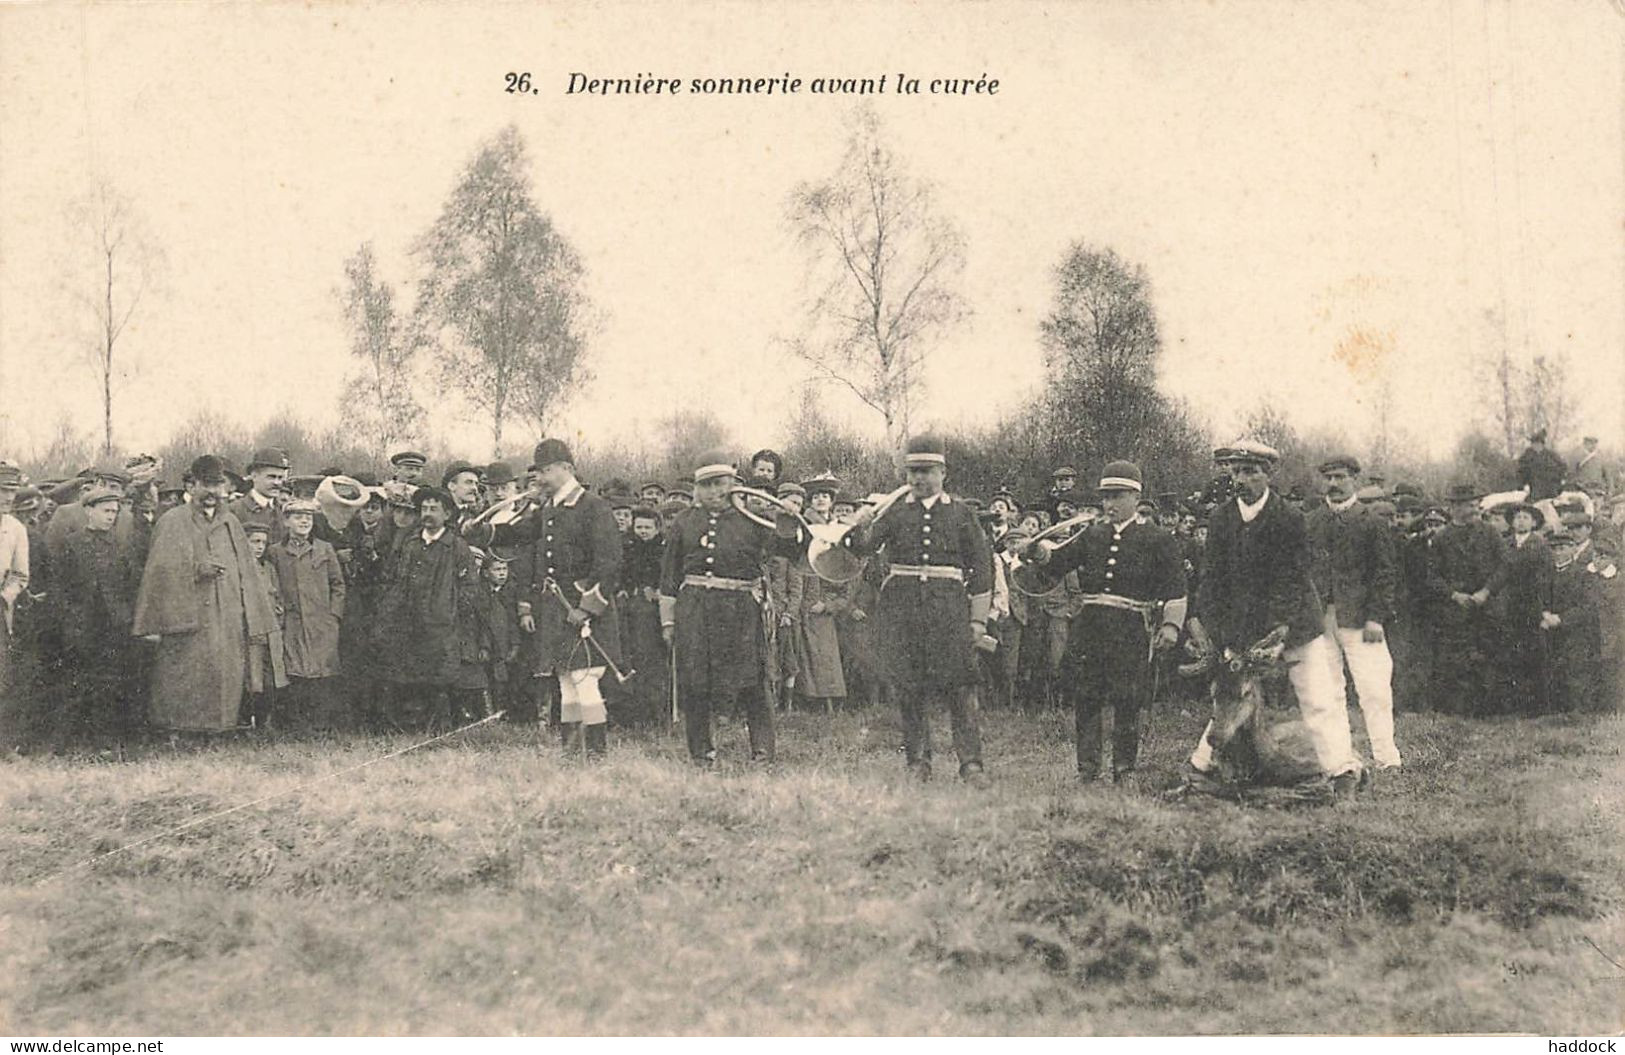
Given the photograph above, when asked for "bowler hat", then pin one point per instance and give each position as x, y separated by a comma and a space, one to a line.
208, 469
551, 451
456, 469
1462, 491
268, 458
499, 473
1536, 512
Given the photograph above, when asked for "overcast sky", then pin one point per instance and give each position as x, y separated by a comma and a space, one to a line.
1283, 171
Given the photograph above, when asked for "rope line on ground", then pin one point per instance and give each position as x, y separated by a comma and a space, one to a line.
198, 822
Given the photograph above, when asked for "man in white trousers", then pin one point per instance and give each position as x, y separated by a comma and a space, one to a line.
1356, 574
1256, 579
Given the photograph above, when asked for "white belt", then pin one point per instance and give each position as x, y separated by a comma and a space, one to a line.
717, 582
924, 572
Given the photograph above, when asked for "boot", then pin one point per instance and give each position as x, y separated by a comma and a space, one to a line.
597, 742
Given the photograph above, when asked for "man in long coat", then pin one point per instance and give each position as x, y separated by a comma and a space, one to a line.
431, 588
202, 599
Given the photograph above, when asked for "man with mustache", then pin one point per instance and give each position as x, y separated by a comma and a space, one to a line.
202, 602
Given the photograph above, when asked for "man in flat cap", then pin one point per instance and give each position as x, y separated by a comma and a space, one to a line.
1063, 488
407, 466
1257, 580
1133, 583
267, 486
933, 607
111, 475
566, 571
1591, 473
711, 595
1357, 577
95, 593
202, 599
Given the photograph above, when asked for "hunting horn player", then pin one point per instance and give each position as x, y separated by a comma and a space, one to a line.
567, 570
1256, 579
934, 605
1133, 580
710, 599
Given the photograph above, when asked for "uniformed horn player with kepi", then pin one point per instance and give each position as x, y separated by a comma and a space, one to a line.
566, 572
1133, 581
934, 604
710, 601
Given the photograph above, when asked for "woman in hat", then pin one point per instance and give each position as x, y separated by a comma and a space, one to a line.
1467, 558
1525, 595
819, 677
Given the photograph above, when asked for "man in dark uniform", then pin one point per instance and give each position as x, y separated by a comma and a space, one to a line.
567, 570
710, 600
1467, 558
933, 607
1133, 585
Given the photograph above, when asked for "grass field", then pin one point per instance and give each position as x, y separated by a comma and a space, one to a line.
486, 887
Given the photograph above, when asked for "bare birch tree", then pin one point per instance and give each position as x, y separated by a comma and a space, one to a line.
378, 397
882, 267
113, 262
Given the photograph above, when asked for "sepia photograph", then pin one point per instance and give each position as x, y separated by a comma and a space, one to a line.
716, 519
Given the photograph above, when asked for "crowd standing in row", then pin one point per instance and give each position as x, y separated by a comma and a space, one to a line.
276, 602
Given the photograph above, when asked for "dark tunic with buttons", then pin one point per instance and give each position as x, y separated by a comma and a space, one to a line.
719, 632
571, 542
924, 623
1138, 562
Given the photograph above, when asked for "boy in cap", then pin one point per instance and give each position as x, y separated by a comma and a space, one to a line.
652, 493
1133, 603
311, 585
566, 571
1256, 581
509, 683
711, 594
1356, 574
934, 605
95, 589
268, 668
